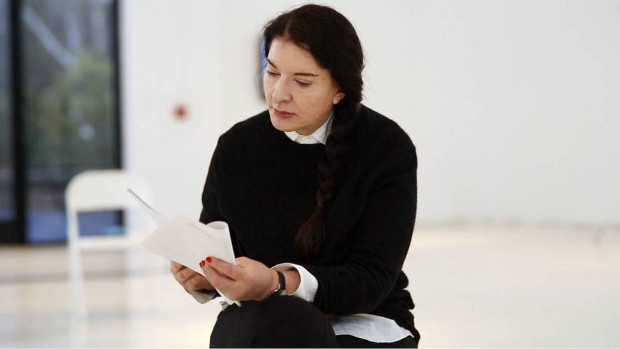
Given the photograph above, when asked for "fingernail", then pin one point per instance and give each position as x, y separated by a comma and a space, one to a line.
202, 264
208, 259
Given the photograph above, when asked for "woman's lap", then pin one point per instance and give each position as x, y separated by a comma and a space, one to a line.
354, 342
282, 321
278, 321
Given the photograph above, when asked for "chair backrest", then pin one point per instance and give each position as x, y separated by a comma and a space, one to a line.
100, 190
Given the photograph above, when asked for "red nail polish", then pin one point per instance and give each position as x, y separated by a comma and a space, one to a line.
202, 264
208, 259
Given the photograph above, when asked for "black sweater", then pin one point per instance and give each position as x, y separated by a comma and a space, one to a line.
264, 186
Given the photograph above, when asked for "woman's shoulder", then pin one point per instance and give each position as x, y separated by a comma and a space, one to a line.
243, 132
381, 149
248, 126
379, 131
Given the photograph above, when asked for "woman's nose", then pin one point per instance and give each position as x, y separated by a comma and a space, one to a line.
281, 92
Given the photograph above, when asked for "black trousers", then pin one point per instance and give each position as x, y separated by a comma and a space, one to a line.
284, 321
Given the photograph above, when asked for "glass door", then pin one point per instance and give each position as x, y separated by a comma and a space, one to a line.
59, 112
8, 212
70, 107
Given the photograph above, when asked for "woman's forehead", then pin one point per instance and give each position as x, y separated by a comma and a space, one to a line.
287, 56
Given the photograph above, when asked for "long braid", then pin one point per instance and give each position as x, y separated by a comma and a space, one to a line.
312, 234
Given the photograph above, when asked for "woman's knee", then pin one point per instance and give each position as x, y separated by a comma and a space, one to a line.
276, 321
292, 322
278, 308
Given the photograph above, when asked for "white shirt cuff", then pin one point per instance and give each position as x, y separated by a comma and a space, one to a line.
308, 283
202, 297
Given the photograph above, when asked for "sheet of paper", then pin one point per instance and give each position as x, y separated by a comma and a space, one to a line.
187, 241
159, 218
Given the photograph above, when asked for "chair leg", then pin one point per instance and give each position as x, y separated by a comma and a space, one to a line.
78, 297
76, 274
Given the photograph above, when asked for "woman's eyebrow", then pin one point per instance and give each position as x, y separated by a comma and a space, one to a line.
301, 74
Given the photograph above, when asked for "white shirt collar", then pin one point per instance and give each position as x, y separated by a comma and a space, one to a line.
318, 136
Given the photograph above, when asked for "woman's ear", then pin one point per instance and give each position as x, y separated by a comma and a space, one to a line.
339, 96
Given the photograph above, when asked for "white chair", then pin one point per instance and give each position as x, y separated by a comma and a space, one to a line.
100, 190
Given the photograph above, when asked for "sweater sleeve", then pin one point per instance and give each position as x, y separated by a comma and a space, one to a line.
210, 204
210, 208
380, 241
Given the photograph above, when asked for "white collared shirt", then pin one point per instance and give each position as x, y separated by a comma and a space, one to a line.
370, 327
318, 136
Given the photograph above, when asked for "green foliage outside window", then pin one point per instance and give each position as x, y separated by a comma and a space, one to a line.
70, 120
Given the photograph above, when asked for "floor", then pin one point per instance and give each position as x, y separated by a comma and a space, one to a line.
473, 285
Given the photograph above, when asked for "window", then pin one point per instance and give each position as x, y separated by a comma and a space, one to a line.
69, 106
7, 187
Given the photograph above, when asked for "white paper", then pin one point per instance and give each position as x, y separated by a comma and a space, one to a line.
159, 218
187, 241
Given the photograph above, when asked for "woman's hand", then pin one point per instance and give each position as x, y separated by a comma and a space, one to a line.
189, 279
248, 280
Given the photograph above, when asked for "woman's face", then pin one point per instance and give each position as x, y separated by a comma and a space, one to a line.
300, 94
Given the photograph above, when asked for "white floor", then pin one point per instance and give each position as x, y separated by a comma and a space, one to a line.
474, 286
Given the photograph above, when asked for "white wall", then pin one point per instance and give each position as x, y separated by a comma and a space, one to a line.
513, 105
169, 57
516, 108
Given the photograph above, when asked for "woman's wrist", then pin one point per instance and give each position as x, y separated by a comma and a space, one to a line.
293, 279
275, 284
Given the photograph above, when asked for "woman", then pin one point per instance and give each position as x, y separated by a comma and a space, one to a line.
319, 193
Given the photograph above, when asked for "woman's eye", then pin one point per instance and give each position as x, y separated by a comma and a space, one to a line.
303, 83
270, 73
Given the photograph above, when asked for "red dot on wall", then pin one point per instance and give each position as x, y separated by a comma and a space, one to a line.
180, 112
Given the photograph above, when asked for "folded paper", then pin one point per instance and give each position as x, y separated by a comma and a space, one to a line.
186, 241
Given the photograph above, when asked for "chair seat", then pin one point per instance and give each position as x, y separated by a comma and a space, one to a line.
107, 243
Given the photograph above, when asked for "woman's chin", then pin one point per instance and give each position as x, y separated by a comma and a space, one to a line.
279, 124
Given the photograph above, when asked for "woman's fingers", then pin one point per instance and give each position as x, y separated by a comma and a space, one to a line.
188, 278
224, 268
196, 282
182, 274
221, 282
248, 280
186, 274
175, 267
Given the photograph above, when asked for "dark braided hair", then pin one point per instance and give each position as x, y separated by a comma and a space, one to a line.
332, 41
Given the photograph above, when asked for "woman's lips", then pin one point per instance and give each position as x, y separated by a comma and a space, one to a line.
282, 113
